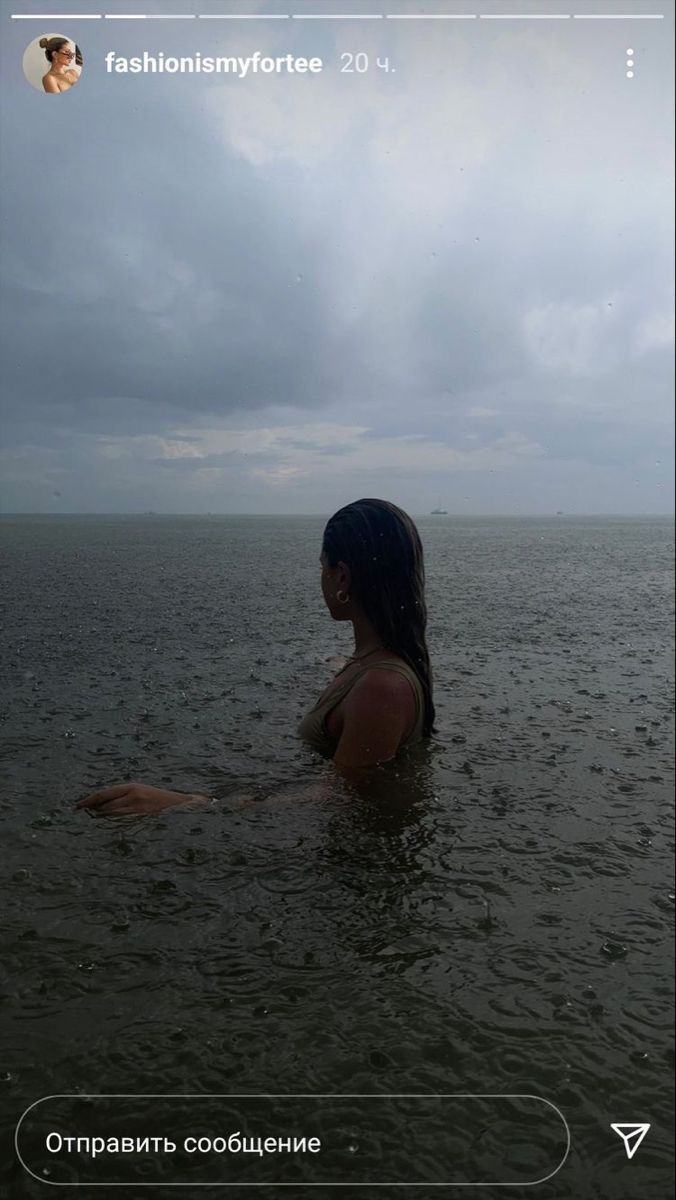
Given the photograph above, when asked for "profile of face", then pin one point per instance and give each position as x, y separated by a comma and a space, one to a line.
64, 56
335, 581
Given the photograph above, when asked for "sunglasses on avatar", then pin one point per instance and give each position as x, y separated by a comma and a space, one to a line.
67, 53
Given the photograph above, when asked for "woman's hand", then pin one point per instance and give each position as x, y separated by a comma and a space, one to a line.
127, 798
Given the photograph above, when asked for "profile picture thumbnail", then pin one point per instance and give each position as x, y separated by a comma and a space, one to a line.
52, 64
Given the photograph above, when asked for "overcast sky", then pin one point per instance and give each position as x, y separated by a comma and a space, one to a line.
450, 282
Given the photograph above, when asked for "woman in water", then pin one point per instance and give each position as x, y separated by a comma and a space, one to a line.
381, 700
60, 53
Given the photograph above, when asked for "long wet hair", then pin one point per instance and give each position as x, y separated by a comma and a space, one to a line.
381, 546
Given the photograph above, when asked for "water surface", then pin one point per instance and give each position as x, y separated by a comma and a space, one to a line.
496, 917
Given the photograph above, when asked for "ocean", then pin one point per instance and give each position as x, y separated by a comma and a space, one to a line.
496, 918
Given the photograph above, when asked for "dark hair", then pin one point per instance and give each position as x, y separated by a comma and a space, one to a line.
382, 547
51, 45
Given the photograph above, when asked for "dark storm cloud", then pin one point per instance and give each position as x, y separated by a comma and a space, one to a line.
169, 282
474, 259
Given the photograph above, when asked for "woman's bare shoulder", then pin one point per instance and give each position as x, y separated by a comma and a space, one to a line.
384, 686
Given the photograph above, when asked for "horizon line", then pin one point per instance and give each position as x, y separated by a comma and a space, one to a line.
149, 512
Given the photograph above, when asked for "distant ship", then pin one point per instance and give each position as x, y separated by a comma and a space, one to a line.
439, 512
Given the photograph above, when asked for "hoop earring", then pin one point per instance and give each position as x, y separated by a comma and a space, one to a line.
342, 597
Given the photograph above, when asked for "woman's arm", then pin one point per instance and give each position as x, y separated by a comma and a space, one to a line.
130, 799
126, 798
378, 712
49, 83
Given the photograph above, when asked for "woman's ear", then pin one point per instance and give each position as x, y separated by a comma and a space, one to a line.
345, 578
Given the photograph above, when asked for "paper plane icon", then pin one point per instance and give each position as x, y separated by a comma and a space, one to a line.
632, 1136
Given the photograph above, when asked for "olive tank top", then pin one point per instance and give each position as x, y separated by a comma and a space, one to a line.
312, 728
